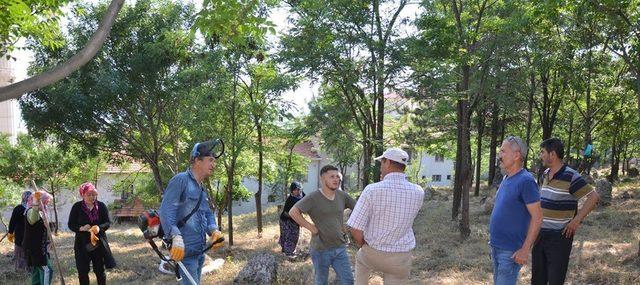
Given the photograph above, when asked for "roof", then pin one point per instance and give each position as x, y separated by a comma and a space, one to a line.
132, 209
127, 168
307, 149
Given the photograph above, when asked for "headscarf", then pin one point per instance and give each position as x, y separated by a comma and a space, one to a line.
25, 198
296, 185
45, 198
92, 214
86, 187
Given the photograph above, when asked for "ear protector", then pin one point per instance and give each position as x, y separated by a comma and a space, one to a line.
213, 147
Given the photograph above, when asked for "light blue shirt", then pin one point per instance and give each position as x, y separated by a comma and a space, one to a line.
180, 198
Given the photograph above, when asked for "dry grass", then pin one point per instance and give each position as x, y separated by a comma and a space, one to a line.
605, 250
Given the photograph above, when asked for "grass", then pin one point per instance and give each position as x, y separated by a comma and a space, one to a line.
604, 252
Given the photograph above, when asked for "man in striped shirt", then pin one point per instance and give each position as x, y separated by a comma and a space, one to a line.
382, 221
561, 189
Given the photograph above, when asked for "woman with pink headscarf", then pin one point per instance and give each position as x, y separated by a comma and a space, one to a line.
89, 219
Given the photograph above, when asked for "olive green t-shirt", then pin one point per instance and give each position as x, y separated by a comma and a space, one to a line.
327, 215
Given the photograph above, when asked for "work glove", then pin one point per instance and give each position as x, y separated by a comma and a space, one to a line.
94, 235
217, 240
177, 248
11, 237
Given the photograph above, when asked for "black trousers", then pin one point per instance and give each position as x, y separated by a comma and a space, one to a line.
550, 258
97, 261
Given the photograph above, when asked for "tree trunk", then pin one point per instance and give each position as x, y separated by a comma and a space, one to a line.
359, 171
463, 158
219, 208
585, 166
493, 145
366, 161
544, 121
568, 145
55, 208
230, 174
288, 173
157, 179
625, 165
258, 195
613, 176
481, 119
532, 91
15, 90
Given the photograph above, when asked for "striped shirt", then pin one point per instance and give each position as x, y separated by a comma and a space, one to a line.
385, 212
559, 197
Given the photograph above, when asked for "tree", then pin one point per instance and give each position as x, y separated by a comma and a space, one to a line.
239, 29
264, 89
337, 131
45, 164
456, 31
356, 46
623, 35
129, 100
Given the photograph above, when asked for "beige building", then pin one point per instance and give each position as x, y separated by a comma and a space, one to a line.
10, 118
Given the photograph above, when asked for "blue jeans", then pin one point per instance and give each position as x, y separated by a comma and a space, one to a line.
337, 258
194, 266
505, 269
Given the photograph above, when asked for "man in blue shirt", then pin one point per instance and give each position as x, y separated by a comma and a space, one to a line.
183, 194
517, 215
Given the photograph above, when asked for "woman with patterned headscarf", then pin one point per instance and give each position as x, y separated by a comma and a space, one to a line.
36, 241
16, 232
89, 219
289, 229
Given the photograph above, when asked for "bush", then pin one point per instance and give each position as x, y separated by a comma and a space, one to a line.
632, 172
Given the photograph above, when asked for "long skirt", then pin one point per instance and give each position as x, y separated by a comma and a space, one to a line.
20, 259
289, 234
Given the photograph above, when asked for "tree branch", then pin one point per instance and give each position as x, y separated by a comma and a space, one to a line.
16, 90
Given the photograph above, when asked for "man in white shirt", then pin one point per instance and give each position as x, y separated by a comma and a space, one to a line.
382, 222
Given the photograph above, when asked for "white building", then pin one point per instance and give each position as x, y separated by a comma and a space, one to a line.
10, 118
311, 182
436, 170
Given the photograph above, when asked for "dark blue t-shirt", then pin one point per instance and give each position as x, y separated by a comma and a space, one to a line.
510, 217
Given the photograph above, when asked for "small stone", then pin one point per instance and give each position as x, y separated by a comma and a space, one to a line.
604, 187
261, 269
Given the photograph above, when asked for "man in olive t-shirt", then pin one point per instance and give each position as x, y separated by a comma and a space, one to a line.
326, 208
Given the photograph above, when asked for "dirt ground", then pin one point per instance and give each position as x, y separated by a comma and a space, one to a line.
605, 249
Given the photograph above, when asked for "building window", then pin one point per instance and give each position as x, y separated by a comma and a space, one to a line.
448, 177
436, 178
439, 158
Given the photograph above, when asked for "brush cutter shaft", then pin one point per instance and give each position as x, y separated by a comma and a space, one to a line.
186, 273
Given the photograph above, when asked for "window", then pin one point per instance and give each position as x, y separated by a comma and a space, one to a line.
448, 177
436, 178
439, 158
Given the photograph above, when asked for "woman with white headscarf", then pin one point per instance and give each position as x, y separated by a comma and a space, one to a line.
16, 232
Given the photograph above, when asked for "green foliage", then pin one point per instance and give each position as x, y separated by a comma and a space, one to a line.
236, 23
37, 161
132, 98
10, 193
36, 20
139, 185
